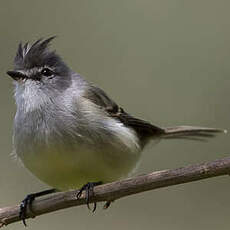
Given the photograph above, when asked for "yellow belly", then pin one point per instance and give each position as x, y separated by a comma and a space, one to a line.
71, 169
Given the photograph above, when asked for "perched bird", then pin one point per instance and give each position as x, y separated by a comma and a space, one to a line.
68, 132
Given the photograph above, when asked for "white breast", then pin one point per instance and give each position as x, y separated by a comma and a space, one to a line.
96, 148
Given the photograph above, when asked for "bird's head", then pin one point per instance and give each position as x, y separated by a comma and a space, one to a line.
39, 75
37, 67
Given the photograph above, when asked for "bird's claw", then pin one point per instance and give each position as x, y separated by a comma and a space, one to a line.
107, 204
23, 207
26, 203
88, 188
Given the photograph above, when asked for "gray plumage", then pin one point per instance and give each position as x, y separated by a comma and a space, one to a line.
69, 132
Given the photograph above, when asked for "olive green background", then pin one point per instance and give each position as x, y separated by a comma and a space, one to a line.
163, 61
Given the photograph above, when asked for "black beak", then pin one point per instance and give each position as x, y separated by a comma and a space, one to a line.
16, 75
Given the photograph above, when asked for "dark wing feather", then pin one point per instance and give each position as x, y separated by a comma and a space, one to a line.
144, 129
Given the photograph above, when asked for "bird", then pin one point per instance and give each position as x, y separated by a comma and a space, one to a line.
69, 133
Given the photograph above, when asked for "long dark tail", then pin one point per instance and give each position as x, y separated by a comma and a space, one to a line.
190, 132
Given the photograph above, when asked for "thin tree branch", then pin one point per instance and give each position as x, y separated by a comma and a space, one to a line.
119, 189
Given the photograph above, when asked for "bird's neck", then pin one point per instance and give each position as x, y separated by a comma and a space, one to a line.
29, 99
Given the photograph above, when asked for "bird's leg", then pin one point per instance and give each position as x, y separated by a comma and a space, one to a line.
88, 188
26, 203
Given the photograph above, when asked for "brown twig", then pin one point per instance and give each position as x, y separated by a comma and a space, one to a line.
119, 189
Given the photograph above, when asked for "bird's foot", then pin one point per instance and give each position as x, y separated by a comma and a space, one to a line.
26, 203
107, 204
88, 188
23, 207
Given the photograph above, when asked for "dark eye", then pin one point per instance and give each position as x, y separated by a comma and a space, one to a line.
47, 72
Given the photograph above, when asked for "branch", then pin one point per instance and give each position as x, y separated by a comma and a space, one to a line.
119, 189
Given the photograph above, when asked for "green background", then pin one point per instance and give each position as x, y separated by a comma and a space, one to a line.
163, 61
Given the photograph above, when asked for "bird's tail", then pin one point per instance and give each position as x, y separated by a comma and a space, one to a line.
190, 132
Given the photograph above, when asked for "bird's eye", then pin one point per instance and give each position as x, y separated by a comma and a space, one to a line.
47, 72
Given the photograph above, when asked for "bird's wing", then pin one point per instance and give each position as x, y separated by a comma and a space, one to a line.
144, 129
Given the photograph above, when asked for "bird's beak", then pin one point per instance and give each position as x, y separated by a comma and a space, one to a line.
16, 75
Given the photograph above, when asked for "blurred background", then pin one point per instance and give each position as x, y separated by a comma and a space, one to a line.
163, 61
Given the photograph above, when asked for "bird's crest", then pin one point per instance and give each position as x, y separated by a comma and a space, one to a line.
36, 55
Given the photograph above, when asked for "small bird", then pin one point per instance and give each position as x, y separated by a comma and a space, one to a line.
68, 132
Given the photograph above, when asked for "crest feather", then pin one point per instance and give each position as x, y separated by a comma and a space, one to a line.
19, 53
36, 55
